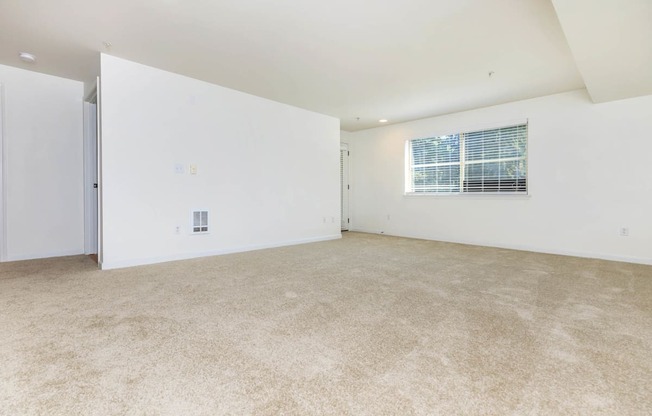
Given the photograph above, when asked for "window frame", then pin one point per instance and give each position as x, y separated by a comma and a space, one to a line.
461, 193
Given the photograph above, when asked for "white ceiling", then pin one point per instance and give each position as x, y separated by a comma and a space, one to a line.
399, 60
611, 41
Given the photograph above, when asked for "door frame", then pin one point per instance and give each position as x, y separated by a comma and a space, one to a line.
345, 194
91, 165
3, 178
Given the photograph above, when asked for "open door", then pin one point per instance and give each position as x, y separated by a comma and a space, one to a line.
344, 185
90, 176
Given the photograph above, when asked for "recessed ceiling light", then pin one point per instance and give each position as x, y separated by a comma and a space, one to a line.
382, 121
27, 57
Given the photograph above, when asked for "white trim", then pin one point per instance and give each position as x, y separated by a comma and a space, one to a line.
345, 193
35, 256
518, 247
3, 179
185, 256
345, 146
471, 128
100, 186
470, 195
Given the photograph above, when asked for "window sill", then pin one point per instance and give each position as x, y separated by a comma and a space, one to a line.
504, 195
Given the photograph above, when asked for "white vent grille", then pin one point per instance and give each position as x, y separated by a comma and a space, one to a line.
199, 221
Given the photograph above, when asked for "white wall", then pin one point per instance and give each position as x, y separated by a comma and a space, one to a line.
589, 175
44, 172
268, 172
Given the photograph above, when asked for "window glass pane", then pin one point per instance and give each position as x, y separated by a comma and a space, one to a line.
438, 179
482, 145
443, 149
511, 169
500, 143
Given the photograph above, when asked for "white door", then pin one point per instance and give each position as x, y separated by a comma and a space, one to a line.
3, 240
344, 186
93, 189
90, 177
98, 175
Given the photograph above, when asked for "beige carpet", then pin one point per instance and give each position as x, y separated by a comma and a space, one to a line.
366, 325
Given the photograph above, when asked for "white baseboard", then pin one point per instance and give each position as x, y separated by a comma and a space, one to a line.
34, 256
186, 256
521, 247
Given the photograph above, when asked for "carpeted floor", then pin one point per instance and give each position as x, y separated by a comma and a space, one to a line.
366, 325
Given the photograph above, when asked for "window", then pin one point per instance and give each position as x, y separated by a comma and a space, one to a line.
485, 162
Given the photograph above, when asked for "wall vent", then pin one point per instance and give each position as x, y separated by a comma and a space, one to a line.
199, 221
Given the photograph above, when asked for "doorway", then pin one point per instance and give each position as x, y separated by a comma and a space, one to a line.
90, 177
344, 185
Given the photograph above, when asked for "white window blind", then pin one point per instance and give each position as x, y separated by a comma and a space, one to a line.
485, 161
436, 164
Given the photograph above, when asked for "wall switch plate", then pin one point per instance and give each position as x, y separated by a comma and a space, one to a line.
193, 169
624, 231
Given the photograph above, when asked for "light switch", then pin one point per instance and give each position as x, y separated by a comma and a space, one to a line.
193, 169
178, 168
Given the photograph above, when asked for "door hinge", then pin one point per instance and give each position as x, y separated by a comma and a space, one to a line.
348, 220
348, 153
95, 185
348, 186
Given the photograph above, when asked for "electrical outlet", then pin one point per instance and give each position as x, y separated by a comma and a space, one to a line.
324, 219
624, 231
177, 229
